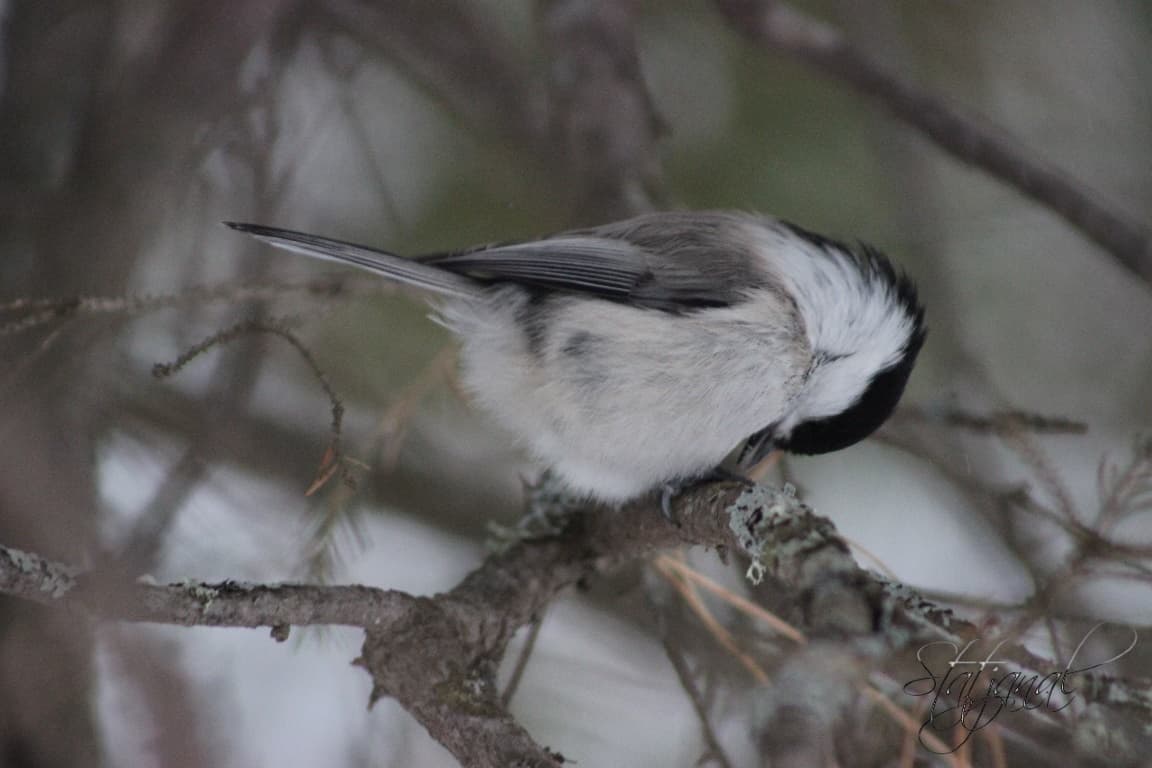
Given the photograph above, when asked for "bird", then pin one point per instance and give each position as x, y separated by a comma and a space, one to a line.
637, 356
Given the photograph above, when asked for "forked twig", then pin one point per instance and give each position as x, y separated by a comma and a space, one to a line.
281, 328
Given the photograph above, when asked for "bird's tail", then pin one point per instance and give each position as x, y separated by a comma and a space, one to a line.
389, 265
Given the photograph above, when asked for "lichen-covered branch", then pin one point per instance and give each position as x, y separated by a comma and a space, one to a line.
438, 655
226, 604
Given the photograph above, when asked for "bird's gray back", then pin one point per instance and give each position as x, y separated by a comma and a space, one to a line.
694, 258
675, 262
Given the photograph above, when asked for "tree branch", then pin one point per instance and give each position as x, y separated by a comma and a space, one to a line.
437, 656
225, 604
970, 139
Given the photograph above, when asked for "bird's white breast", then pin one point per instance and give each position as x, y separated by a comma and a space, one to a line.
619, 399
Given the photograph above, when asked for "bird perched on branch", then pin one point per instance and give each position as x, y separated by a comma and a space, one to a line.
637, 355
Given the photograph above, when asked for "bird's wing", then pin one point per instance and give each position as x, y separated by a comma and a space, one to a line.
613, 268
673, 262
583, 264
380, 262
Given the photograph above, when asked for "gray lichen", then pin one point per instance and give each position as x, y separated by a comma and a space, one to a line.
927, 617
202, 594
55, 579
550, 507
751, 517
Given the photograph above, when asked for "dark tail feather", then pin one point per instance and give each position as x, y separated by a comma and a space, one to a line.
383, 263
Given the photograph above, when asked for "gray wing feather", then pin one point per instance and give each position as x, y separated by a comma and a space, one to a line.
381, 262
669, 261
705, 258
587, 264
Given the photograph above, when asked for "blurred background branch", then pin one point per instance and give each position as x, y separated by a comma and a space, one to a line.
968, 138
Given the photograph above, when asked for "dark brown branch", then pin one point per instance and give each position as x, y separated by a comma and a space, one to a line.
970, 139
437, 656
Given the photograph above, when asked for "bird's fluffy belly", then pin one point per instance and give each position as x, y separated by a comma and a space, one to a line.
619, 400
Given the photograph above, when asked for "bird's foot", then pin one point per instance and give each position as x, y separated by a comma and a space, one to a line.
672, 490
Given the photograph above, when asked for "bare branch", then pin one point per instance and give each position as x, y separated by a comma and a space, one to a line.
33, 313
715, 753
437, 656
227, 604
277, 327
966, 137
995, 423
522, 661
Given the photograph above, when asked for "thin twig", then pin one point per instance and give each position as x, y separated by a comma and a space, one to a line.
994, 423
666, 563
280, 328
905, 720
47, 310
668, 566
17, 371
996, 746
388, 439
1028, 450
714, 627
908, 743
392, 427
1123, 492
522, 660
684, 674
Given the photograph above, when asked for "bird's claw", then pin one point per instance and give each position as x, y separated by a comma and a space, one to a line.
670, 490
667, 493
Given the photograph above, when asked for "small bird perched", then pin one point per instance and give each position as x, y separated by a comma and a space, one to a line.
636, 355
